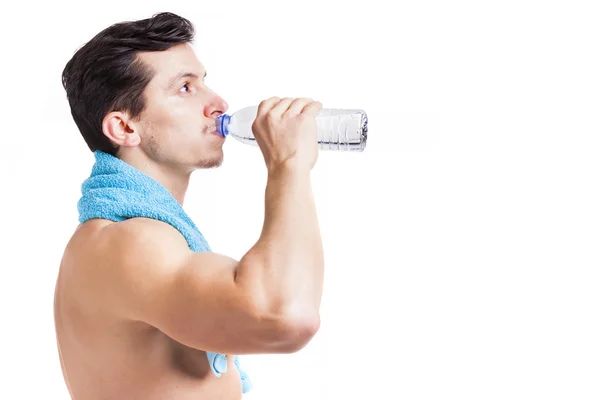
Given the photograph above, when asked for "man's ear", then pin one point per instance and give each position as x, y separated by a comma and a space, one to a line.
120, 129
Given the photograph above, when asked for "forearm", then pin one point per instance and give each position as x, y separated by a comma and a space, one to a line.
287, 260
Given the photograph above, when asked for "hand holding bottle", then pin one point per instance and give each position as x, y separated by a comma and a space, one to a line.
337, 129
286, 132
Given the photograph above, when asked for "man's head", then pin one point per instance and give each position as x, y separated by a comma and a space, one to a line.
139, 87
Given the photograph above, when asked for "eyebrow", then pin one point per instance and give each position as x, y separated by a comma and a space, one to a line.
181, 75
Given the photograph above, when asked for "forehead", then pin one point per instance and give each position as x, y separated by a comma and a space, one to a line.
167, 64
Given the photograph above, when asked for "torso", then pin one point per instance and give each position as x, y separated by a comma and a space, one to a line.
107, 358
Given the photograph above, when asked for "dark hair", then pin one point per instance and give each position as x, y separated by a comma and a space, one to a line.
105, 74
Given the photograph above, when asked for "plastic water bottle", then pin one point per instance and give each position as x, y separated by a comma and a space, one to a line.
337, 129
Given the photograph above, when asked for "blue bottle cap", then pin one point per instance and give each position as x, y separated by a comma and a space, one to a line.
223, 124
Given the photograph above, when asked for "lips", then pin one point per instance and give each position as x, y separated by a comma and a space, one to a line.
213, 131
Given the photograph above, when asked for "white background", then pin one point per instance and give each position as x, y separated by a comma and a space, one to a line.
462, 247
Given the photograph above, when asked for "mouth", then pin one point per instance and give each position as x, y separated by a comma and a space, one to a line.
211, 130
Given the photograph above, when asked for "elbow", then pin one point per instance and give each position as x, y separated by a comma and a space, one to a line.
298, 332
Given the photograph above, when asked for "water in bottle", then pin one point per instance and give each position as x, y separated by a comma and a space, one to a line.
337, 129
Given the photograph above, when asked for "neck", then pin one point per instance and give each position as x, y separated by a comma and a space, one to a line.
174, 180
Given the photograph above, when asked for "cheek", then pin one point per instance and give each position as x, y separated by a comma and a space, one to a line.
181, 111
178, 119
190, 119
169, 123
157, 116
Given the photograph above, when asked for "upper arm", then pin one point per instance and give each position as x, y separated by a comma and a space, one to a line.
195, 298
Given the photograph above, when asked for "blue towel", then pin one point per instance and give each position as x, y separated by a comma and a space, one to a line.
117, 191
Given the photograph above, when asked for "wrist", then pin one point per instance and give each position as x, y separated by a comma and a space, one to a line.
288, 168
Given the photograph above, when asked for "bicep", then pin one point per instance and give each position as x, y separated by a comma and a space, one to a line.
206, 308
195, 298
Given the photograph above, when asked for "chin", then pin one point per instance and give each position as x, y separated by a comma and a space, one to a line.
210, 162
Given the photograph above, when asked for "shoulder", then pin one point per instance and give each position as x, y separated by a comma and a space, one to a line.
140, 243
107, 260
141, 240
138, 237
140, 233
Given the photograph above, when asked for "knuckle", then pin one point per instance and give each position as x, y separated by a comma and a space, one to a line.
262, 105
266, 102
302, 100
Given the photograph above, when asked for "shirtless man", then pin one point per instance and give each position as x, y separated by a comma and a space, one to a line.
132, 300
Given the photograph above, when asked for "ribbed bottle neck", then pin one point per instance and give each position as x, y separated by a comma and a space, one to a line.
222, 123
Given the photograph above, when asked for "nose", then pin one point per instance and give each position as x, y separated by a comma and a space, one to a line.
216, 106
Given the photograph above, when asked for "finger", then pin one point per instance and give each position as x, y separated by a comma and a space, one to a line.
313, 108
297, 106
266, 105
282, 106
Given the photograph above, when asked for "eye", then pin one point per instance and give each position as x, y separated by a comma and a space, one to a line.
186, 87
